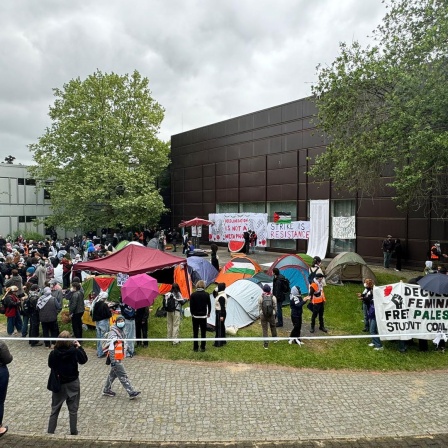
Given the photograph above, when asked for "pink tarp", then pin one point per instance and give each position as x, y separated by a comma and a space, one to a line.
132, 259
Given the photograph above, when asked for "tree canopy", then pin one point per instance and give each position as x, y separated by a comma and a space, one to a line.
101, 156
385, 109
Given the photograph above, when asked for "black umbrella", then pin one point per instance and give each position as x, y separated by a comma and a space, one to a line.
437, 283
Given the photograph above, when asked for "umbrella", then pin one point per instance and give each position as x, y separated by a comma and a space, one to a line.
437, 283
139, 291
196, 222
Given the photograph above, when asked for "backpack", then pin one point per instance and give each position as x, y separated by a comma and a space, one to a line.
286, 287
128, 312
312, 275
170, 304
267, 305
2, 307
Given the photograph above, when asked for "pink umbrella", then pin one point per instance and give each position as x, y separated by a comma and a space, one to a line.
196, 222
139, 291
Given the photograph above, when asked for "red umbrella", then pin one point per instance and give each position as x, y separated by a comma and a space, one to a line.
196, 222
139, 291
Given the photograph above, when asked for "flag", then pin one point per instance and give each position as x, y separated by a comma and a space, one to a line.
282, 217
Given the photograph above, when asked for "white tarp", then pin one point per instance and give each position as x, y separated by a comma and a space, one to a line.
402, 309
242, 304
231, 226
295, 230
343, 228
319, 228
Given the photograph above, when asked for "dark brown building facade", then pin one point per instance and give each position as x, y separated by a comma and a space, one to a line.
259, 162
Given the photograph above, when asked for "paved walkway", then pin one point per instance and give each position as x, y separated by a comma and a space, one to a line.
244, 405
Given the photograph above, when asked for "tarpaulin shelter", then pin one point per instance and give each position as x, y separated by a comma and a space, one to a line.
295, 269
107, 283
347, 266
242, 304
201, 269
237, 268
136, 259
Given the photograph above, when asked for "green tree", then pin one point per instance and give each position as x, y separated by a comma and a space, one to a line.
385, 109
102, 153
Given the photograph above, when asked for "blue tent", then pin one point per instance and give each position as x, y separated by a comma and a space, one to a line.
200, 268
295, 269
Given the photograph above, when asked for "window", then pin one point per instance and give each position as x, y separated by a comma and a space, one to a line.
227, 208
30, 182
21, 181
47, 194
288, 207
31, 218
21, 218
252, 207
343, 237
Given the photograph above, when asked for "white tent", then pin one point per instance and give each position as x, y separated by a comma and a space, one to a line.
242, 304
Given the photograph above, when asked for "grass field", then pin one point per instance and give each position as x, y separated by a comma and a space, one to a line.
343, 316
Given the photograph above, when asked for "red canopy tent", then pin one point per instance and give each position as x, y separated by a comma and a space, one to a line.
135, 259
195, 222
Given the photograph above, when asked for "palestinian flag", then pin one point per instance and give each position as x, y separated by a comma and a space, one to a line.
282, 217
240, 266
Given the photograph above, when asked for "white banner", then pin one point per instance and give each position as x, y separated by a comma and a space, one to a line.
231, 226
343, 228
320, 222
295, 230
196, 231
402, 309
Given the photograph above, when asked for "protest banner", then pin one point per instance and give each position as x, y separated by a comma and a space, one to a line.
343, 228
403, 309
295, 230
231, 227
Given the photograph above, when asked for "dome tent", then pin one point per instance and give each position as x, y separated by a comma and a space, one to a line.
347, 266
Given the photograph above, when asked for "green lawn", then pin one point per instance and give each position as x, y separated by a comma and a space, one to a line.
343, 316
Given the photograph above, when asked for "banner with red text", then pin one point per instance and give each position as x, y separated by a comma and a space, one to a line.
402, 309
231, 227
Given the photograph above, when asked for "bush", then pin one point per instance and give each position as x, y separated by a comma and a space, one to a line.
28, 235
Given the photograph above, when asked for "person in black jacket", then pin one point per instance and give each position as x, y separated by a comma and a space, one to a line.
101, 315
141, 325
220, 313
5, 359
200, 307
279, 289
64, 360
296, 303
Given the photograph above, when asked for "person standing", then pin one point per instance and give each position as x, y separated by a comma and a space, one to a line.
317, 298
185, 243
200, 307
33, 297
175, 239
76, 309
48, 309
172, 303
388, 248
41, 273
214, 259
267, 306
101, 315
12, 310
64, 360
367, 299
129, 315
116, 353
5, 359
220, 314
246, 236
280, 288
296, 303
141, 325
398, 252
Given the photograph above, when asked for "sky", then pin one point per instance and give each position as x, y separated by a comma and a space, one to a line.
206, 60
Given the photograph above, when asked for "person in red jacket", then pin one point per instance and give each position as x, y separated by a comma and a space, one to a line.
12, 310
